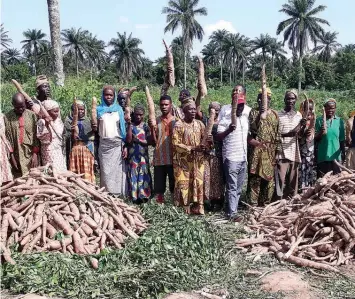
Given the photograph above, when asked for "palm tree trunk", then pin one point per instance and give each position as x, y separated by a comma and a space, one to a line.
221, 69
243, 71
300, 76
35, 60
273, 68
185, 54
54, 25
77, 65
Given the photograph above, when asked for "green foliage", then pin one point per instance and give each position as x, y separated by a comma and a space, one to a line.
19, 71
176, 252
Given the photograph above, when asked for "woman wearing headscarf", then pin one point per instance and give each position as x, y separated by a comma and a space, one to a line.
138, 138
52, 137
213, 175
188, 160
112, 132
307, 169
80, 152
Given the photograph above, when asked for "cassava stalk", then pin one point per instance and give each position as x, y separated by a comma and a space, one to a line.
151, 107
264, 100
209, 126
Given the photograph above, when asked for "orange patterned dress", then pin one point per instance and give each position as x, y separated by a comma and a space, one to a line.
188, 166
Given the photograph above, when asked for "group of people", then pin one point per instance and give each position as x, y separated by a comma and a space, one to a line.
280, 153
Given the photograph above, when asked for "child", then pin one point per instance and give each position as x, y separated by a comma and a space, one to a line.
138, 138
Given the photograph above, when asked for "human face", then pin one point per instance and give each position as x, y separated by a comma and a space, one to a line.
81, 111
310, 109
54, 113
108, 96
138, 116
44, 90
330, 108
290, 101
238, 89
183, 95
19, 107
217, 109
165, 107
190, 112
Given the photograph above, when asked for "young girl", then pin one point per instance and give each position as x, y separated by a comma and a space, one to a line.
80, 152
52, 142
138, 138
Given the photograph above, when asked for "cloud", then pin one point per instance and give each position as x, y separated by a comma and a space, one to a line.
221, 24
123, 19
144, 26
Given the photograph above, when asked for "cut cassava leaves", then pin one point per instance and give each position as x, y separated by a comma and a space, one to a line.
315, 229
64, 213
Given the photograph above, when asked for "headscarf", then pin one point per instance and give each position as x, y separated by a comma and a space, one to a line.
139, 107
331, 100
41, 79
268, 91
214, 105
115, 107
294, 91
187, 102
50, 104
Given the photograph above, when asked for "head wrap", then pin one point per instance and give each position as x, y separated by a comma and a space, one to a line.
115, 107
50, 104
41, 79
139, 107
294, 91
214, 105
331, 100
268, 91
187, 102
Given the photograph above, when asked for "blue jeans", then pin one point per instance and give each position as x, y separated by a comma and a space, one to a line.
235, 175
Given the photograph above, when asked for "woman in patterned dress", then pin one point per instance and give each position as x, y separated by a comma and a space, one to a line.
52, 142
214, 174
138, 138
307, 168
188, 160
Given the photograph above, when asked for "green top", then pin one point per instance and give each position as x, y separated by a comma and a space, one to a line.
329, 145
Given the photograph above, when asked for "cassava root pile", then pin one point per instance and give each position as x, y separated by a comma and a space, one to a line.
48, 211
315, 229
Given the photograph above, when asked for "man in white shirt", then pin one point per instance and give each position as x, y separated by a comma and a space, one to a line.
234, 151
291, 125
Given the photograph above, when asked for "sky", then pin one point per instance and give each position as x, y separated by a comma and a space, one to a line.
142, 18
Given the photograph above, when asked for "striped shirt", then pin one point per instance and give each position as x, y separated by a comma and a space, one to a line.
163, 149
289, 145
234, 144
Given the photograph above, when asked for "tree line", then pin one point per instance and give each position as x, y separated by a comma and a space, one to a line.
317, 60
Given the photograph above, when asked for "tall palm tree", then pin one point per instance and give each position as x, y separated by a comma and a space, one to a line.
236, 48
5, 40
34, 39
75, 43
182, 13
301, 26
96, 52
262, 42
54, 26
217, 37
126, 53
328, 45
277, 51
11, 56
211, 55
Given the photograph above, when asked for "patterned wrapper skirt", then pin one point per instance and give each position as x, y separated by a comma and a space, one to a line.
213, 178
82, 161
